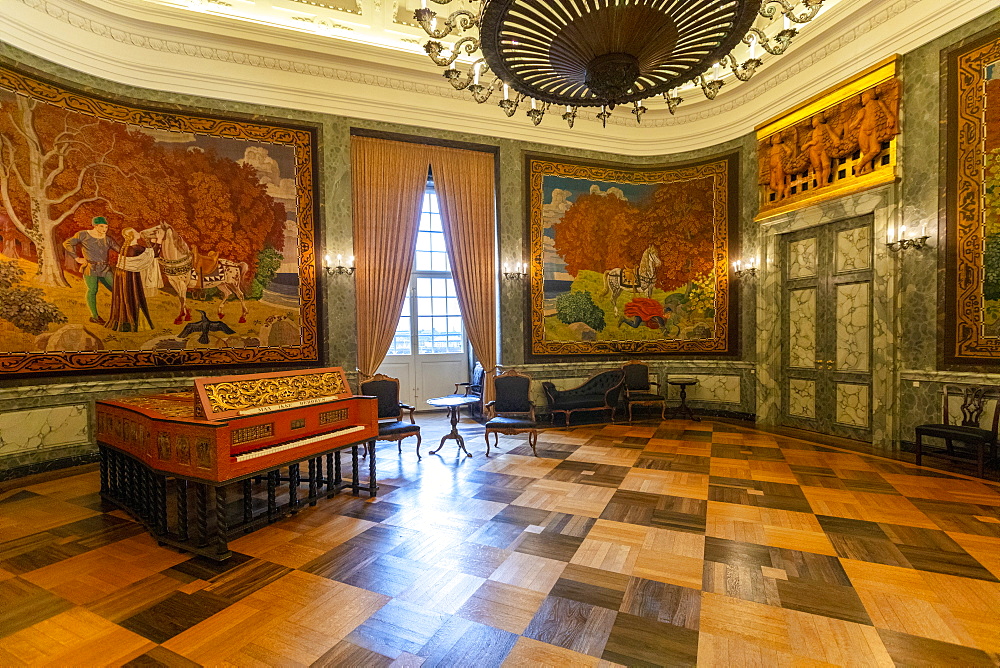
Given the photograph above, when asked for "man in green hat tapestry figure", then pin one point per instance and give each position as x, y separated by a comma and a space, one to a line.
95, 245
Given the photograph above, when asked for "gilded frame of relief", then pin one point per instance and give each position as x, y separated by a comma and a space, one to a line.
971, 245
627, 260
166, 238
840, 142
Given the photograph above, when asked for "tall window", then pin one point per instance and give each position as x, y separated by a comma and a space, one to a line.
430, 322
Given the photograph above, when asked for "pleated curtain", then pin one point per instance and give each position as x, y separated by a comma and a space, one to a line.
388, 183
464, 181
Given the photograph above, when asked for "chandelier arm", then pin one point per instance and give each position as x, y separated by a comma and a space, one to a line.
456, 23
781, 41
709, 88
435, 49
570, 116
811, 8
742, 71
536, 113
673, 100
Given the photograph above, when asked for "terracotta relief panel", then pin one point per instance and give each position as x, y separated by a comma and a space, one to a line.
841, 142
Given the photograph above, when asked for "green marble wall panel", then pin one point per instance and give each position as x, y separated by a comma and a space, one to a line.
853, 326
802, 258
802, 398
852, 405
854, 249
802, 328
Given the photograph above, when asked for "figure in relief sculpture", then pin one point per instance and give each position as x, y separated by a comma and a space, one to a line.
779, 153
873, 120
822, 140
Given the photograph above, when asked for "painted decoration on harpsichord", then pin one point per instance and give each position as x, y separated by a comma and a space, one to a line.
627, 260
841, 142
133, 238
972, 202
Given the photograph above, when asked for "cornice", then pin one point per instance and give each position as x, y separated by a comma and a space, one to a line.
203, 54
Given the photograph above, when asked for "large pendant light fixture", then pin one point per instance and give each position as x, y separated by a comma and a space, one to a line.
569, 54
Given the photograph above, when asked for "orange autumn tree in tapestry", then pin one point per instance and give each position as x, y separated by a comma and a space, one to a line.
109, 212
630, 260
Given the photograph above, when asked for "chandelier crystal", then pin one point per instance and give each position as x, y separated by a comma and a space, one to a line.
604, 53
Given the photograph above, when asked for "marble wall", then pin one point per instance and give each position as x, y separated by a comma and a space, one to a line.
27, 438
922, 155
904, 305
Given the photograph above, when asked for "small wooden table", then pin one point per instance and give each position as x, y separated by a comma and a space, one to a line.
453, 403
683, 408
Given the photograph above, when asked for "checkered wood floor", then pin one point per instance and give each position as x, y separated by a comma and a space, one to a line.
653, 544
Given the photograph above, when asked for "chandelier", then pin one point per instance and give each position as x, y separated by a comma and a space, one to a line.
573, 54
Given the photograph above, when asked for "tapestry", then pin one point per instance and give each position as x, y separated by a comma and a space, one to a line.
842, 141
972, 283
133, 237
631, 260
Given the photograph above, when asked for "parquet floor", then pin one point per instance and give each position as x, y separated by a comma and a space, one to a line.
654, 544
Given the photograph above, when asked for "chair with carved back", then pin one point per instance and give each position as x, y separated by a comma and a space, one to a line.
391, 426
474, 388
639, 389
976, 404
513, 410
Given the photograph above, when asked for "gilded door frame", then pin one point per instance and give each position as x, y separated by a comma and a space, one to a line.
882, 204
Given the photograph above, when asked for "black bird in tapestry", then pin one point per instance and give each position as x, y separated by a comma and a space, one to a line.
204, 326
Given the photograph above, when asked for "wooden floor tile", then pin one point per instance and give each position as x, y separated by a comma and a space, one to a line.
529, 653
295, 619
672, 483
502, 606
75, 637
529, 572
572, 625
651, 543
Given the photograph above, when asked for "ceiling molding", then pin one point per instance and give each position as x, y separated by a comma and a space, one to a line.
194, 53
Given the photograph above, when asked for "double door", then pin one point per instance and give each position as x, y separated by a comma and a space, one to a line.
827, 329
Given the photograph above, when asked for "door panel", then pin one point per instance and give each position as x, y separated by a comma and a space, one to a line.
827, 320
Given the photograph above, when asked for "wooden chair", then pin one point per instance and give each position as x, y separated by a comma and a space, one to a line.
474, 388
639, 389
513, 409
975, 400
390, 411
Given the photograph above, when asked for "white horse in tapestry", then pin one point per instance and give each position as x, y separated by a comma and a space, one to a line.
181, 265
616, 280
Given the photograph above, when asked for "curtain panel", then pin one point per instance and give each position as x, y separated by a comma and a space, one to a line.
464, 181
385, 229
388, 181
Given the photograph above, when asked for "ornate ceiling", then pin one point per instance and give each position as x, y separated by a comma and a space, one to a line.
364, 59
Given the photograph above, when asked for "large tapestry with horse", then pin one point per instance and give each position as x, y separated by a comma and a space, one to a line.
627, 260
132, 237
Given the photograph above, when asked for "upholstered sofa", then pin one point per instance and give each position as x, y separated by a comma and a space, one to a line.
599, 393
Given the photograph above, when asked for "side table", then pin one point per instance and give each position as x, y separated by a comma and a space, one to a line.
454, 404
683, 408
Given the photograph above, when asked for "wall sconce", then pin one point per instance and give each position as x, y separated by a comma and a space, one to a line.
339, 268
520, 270
745, 269
902, 242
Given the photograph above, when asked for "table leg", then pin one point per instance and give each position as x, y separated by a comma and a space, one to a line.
453, 413
684, 408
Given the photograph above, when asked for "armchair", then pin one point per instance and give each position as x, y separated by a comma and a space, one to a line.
599, 393
474, 388
514, 412
390, 411
639, 389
